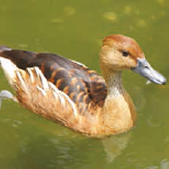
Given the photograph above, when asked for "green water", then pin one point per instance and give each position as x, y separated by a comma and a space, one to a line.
74, 29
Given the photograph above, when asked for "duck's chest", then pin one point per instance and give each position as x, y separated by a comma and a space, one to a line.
118, 113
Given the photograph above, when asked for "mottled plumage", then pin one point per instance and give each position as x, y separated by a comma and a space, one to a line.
76, 80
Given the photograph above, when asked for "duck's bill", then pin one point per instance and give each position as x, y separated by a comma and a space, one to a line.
144, 69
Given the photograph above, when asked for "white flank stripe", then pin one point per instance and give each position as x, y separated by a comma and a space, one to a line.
41, 90
31, 75
21, 79
64, 96
9, 69
42, 78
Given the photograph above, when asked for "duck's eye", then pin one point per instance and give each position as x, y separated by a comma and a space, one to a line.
125, 53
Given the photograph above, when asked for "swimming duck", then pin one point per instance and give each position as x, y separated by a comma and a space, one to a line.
68, 92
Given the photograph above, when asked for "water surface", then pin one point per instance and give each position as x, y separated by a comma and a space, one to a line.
74, 29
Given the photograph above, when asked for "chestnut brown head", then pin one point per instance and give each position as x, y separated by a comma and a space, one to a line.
120, 52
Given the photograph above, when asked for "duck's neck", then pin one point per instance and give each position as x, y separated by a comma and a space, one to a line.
118, 110
114, 85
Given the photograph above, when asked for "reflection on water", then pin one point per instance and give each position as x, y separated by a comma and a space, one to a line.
74, 29
49, 148
115, 145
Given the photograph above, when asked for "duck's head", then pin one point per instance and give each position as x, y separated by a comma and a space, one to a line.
120, 52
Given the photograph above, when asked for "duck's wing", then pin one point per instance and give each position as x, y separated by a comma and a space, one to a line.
72, 81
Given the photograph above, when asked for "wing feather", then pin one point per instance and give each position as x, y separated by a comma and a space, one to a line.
40, 95
70, 77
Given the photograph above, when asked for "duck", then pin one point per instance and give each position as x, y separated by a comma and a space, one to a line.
69, 93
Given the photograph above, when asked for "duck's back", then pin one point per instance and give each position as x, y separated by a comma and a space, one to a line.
84, 86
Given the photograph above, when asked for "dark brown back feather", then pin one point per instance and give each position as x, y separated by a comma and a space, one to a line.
81, 84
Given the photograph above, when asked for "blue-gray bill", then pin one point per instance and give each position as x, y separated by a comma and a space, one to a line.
144, 69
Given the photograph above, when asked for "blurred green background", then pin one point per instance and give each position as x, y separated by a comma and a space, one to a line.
74, 29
